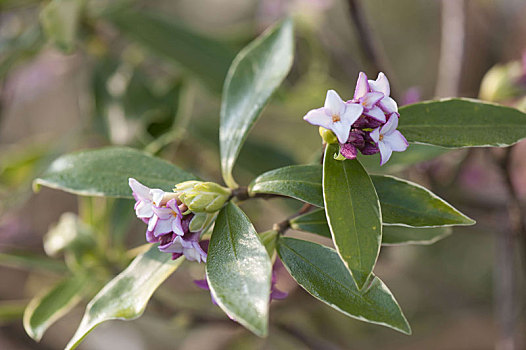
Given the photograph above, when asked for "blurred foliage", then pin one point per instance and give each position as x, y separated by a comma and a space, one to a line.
148, 75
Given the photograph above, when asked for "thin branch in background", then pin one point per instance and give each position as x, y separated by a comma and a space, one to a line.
369, 45
311, 342
451, 48
505, 275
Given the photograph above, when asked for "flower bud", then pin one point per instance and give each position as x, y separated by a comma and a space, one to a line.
202, 196
327, 135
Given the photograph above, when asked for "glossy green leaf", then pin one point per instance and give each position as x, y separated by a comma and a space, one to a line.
353, 214
416, 153
256, 72
403, 202
316, 222
125, 297
205, 58
320, 272
60, 21
302, 182
105, 172
44, 310
238, 270
398, 235
406, 203
460, 122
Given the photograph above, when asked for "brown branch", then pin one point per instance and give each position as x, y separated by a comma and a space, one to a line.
366, 39
242, 194
505, 279
308, 340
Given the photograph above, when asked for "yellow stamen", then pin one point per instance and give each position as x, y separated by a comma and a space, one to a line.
335, 118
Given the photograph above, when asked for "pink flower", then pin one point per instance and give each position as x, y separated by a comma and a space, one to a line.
389, 139
335, 115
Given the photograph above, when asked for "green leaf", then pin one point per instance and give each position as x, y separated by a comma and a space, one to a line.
353, 213
316, 222
302, 182
320, 272
105, 172
44, 310
461, 122
125, 297
60, 21
416, 153
254, 75
406, 203
403, 202
239, 270
205, 58
398, 235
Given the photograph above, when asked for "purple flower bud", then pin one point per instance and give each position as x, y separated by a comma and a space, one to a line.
348, 150
365, 122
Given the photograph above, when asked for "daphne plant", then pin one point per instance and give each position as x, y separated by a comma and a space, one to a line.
203, 222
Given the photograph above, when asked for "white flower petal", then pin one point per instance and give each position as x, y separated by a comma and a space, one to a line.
162, 227
163, 213
139, 189
362, 86
157, 196
333, 103
385, 152
352, 112
376, 113
174, 247
152, 222
371, 98
318, 117
381, 84
391, 125
396, 141
144, 210
341, 129
375, 135
177, 228
388, 105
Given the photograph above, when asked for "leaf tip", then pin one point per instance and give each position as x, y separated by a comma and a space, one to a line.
36, 185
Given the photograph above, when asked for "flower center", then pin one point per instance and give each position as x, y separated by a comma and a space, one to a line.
381, 137
335, 118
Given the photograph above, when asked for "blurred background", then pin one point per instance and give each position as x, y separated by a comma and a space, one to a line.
78, 74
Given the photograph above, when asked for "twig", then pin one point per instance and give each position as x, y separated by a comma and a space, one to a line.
242, 194
309, 341
507, 308
451, 48
369, 47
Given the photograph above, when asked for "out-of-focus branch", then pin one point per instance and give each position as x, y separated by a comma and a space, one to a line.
366, 39
506, 276
451, 48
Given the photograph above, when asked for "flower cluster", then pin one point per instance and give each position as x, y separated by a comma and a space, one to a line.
167, 222
367, 123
